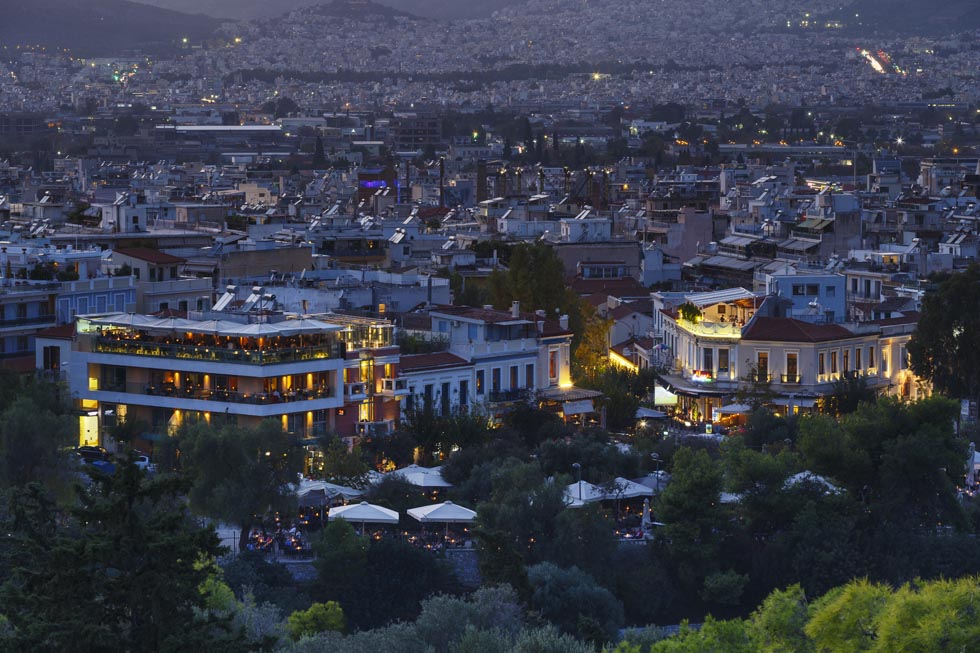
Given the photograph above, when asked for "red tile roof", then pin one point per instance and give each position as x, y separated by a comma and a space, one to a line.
149, 255
787, 329
625, 310
627, 287
488, 315
438, 360
909, 317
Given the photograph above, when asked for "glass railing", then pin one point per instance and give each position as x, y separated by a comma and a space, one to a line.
215, 394
213, 353
27, 321
521, 394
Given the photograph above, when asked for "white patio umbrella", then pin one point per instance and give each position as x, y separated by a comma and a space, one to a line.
423, 477
582, 492
363, 513
446, 512
623, 488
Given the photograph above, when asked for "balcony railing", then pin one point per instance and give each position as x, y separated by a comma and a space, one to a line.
375, 428
217, 354
759, 377
520, 394
228, 396
712, 329
791, 379
355, 390
27, 321
394, 387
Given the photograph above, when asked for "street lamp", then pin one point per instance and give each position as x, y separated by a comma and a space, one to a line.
578, 471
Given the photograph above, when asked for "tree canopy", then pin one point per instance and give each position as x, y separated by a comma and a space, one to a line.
945, 348
119, 571
239, 474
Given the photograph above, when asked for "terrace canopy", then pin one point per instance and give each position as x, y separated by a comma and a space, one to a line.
363, 513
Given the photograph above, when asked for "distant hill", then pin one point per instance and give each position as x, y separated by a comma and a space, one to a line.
248, 9
360, 9
94, 27
911, 16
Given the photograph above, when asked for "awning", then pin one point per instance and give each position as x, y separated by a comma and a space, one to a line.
735, 409
649, 413
663, 397
578, 407
799, 401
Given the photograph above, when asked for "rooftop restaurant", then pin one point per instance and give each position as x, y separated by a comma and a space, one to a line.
260, 340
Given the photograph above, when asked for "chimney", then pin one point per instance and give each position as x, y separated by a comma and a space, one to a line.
563, 322
515, 310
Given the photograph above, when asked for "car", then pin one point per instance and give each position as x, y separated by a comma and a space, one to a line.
91, 453
143, 462
103, 466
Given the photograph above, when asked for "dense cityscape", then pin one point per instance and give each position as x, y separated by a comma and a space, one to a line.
561, 326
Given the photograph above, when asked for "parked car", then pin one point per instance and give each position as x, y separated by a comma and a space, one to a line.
90, 454
143, 462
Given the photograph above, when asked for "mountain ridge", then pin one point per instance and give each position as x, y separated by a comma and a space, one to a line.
251, 9
100, 26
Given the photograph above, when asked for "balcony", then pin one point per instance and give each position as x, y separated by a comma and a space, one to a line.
504, 396
226, 396
355, 391
711, 329
791, 379
758, 377
27, 321
384, 427
105, 345
394, 387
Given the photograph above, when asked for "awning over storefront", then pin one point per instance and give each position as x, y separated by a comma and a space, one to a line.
578, 407
796, 401
735, 409
649, 413
663, 397
679, 385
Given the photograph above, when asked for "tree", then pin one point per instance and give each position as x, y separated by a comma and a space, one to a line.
238, 474
129, 547
535, 277
689, 506
842, 621
280, 107
945, 348
573, 601
341, 464
777, 625
32, 441
319, 160
848, 394
522, 509
445, 620
933, 616
591, 357
318, 618
375, 582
